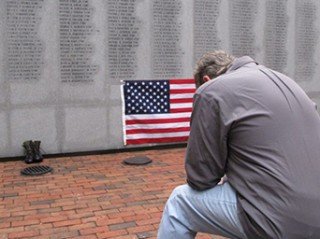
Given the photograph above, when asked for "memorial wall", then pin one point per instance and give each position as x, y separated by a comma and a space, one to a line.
63, 61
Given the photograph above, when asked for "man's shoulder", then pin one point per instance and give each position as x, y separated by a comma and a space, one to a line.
223, 82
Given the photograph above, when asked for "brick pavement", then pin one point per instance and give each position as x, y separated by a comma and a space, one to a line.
93, 196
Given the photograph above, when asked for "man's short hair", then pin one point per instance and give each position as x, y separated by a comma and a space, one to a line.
212, 64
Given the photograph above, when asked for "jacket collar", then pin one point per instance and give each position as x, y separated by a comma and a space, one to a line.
241, 61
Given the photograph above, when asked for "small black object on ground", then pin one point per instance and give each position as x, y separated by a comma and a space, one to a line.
137, 160
36, 170
32, 151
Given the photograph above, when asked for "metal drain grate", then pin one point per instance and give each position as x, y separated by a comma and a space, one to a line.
36, 170
138, 160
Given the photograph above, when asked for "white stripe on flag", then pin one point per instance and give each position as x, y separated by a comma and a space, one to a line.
148, 136
181, 96
182, 86
180, 105
158, 126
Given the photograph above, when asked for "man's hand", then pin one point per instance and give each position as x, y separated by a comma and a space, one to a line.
223, 180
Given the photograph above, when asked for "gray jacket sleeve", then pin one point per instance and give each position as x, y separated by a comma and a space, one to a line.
206, 156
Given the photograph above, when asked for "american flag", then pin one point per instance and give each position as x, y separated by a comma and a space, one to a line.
157, 111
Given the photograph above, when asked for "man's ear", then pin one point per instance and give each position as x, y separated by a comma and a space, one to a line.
206, 78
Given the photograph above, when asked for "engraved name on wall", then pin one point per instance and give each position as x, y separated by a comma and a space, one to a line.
123, 36
205, 17
75, 48
166, 38
306, 38
242, 22
24, 48
275, 34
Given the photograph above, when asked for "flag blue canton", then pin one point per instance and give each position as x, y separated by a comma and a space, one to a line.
146, 97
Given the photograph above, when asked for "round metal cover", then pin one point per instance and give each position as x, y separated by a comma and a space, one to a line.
138, 160
36, 170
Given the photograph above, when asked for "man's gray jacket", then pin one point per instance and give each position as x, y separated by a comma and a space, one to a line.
261, 129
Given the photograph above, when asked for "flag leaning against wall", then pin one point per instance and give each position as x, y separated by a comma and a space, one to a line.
157, 111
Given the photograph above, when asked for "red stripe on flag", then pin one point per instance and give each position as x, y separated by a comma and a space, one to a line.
182, 91
182, 81
157, 121
158, 140
180, 110
156, 131
183, 100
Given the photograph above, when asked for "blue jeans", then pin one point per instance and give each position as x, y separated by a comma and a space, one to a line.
212, 211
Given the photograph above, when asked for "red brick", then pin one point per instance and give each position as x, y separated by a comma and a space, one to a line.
11, 229
123, 225
67, 223
138, 229
125, 237
89, 231
74, 206
25, 223
87, 237
24, 213
23, 234
103, 221
82, 215
82, 226
112, 234
3, 212
120, 214
41, 226
53, 219
12, 219
136, 217
4, 224
147, 221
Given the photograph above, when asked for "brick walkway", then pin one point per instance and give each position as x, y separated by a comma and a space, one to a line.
89, 196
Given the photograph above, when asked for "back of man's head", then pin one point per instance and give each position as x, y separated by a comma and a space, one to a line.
211, 64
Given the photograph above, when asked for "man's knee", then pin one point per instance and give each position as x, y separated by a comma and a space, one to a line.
180, 191
178, 202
